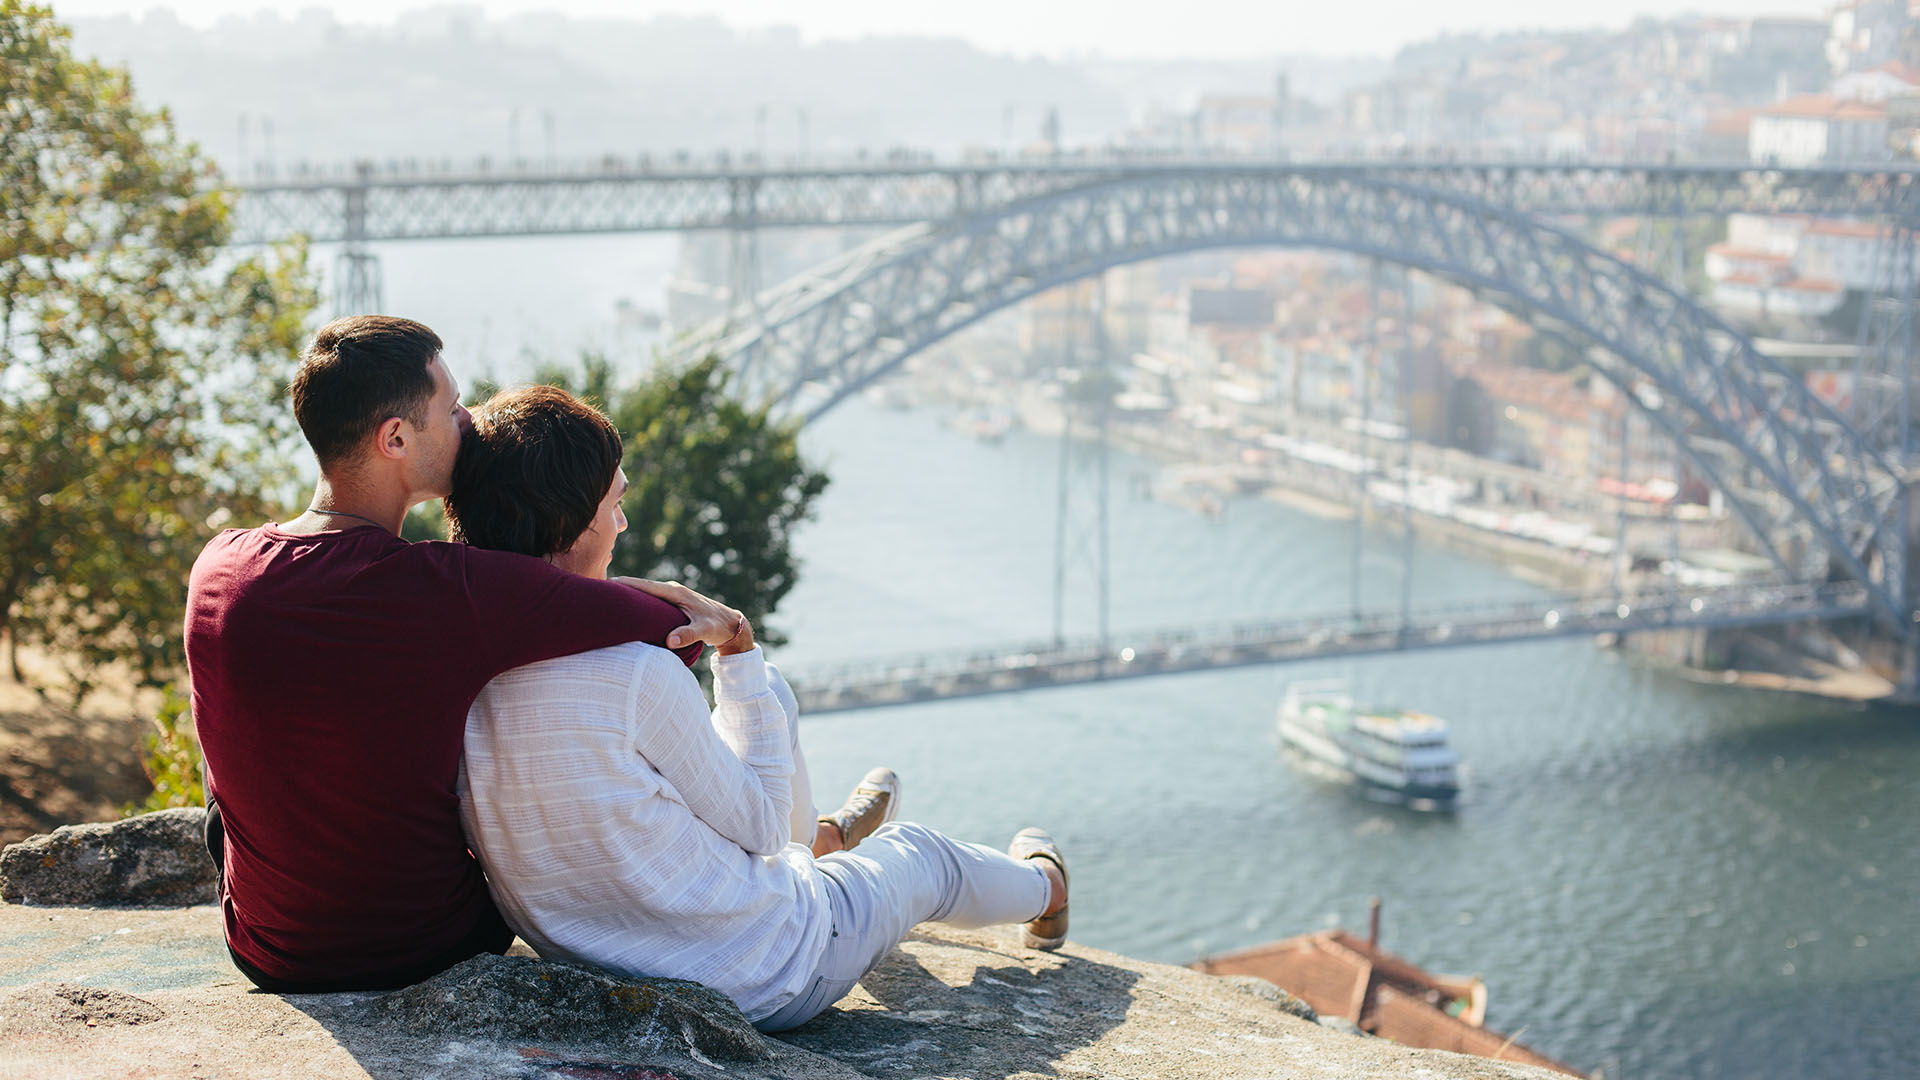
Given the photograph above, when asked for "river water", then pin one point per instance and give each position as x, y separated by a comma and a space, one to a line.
1656, 878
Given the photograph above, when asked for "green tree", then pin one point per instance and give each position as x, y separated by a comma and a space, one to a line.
172, 759
140, 363
716, 487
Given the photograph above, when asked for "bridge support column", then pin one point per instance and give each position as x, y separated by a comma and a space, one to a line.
1081, 534
356, 283
743, 262
1361, 384
356, 273
1910, 653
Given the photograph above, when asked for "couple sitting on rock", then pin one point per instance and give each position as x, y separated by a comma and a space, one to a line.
338, 672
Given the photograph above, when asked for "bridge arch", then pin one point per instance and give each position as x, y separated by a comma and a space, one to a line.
1727, 406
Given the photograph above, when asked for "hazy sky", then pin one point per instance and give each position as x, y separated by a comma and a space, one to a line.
1148, 29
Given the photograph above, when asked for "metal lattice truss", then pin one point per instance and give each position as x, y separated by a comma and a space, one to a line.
520, 204
1583, 189
1789, 465
1881, 403
366, 205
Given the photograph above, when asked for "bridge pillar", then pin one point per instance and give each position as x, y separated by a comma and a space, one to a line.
356, 273
356, 283
1081, 532
1910, 653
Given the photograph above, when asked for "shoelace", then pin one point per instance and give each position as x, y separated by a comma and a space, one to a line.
861, 803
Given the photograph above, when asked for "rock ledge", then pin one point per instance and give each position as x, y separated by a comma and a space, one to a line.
163, 1000
153, 859
519, 998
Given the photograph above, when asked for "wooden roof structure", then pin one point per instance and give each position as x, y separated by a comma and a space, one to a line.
1343, 975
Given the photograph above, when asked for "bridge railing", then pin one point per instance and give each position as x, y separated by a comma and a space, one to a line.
685, 163
1551, 615
414, 199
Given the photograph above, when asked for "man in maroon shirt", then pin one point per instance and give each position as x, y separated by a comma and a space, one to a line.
332, 664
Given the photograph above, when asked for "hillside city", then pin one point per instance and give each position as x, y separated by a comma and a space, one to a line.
1308, 373
1304, 371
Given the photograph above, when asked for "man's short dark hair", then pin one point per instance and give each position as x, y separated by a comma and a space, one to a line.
355, 374
531, 475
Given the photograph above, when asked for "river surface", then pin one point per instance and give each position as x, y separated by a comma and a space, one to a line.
1656, 878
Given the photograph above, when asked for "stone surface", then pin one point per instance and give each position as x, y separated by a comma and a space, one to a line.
66, 1005
1344, 1026
974, 1004
158, 858
1276, 997
518, 997
946, 1003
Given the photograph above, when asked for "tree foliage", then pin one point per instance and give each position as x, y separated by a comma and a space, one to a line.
172, 759
141, 365
716, 487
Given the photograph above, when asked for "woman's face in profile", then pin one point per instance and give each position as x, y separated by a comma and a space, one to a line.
593, 551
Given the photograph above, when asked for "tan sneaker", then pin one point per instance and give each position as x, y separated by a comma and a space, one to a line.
874, 802
1048, 931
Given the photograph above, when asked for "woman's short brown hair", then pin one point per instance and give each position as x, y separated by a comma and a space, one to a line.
531, 474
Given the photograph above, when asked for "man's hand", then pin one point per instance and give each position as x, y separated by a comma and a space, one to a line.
707, 620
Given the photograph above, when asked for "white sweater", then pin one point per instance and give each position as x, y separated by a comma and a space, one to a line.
621, 825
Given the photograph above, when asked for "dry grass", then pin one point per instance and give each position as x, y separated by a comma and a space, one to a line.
58, 766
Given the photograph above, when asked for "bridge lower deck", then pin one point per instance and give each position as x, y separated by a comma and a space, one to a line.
936, 677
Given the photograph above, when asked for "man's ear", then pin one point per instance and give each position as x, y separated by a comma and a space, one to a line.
390, 438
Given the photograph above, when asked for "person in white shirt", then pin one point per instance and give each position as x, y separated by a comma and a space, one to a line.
621, 824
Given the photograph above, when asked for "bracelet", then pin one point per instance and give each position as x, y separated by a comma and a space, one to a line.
737, 628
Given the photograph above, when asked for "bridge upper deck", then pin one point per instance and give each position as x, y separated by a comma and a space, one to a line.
635, 195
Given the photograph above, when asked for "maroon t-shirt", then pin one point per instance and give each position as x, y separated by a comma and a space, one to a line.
331, 678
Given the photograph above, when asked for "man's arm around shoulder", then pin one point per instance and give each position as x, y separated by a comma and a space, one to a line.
527, 610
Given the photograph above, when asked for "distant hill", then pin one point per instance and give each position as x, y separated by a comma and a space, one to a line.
449, 82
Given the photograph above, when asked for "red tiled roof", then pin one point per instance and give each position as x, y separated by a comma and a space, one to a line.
1415, 1023
1843, 228
1543, 391
1620, 229
1323, 979
1824, 107
1747, 254
1812, 285
1898, 70
1341, 975
1736, 122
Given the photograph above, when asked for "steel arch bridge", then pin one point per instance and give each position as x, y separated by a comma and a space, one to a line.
1802, 469
362, 203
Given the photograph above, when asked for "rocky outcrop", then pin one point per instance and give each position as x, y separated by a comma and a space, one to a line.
121, 985
519, 998
112, 992
153, 859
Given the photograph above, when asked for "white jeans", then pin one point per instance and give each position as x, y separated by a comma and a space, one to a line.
902, 875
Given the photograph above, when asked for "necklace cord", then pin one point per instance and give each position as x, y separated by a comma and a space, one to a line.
346, 513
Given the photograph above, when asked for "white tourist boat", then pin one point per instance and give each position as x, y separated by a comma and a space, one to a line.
1392, 753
